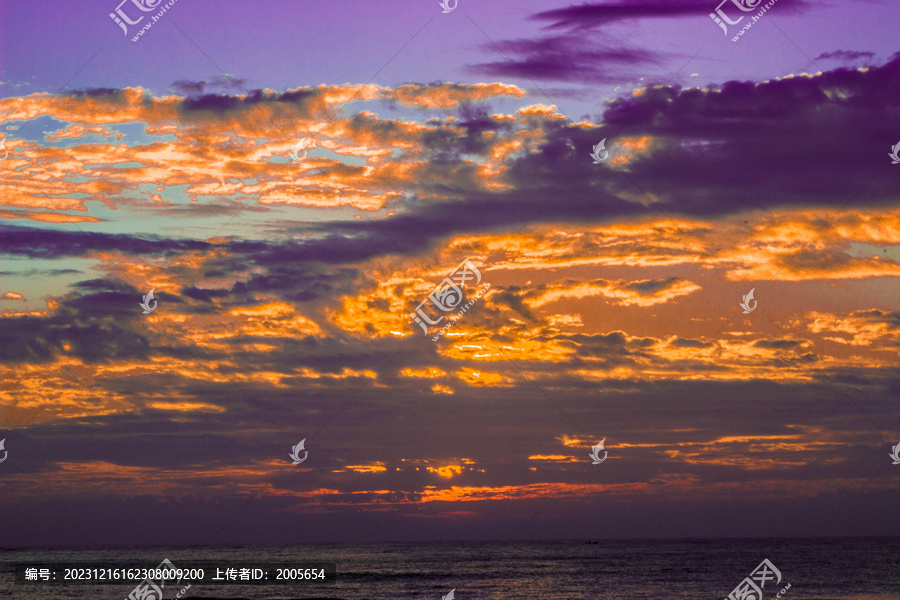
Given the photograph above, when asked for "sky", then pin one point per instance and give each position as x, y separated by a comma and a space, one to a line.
451, 250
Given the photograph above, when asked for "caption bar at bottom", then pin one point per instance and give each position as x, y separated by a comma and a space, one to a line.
230, 572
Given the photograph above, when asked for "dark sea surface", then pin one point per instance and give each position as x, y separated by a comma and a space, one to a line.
816, 569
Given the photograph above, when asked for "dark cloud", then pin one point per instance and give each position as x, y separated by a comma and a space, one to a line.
300, 282
219, 102
41, 272
845, 55
112, 93
614, 348
511, 298
192, 88
189, 87
223, 103
593, 14
204, 295
685, 343
43, 243
652, 286
91, 325
228, 82
745, 145
562, 58
446, 147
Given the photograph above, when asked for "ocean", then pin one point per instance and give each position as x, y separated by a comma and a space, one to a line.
816, 569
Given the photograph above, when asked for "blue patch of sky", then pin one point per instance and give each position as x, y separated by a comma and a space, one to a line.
863, 251
41, 278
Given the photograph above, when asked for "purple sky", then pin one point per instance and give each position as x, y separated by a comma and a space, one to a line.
287, 43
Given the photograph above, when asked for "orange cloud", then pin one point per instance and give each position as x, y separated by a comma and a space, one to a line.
863, 327
430, 372
481, 378
378, 467
449, 95
447, 471
627, 293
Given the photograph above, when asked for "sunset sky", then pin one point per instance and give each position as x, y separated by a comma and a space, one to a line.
609, 297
